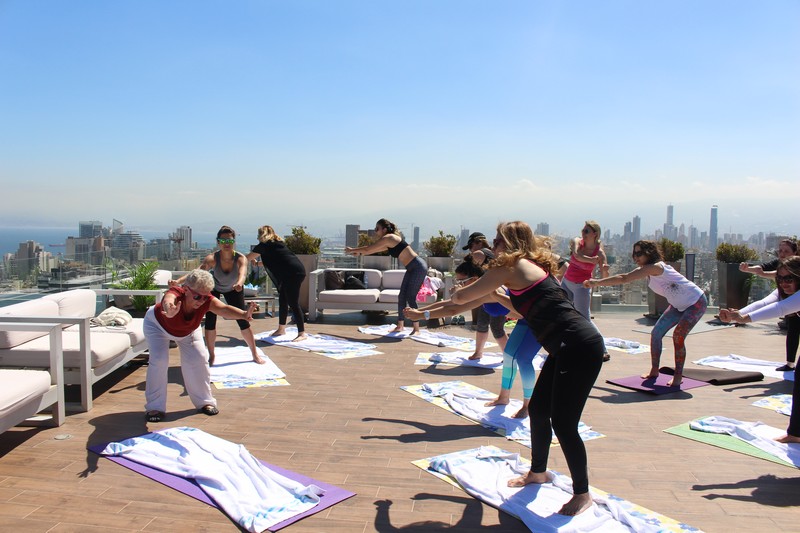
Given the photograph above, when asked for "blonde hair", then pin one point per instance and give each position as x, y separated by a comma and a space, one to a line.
200, 280
595, 227
521, 243
266, 234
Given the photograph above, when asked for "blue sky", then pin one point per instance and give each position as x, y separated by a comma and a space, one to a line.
440, 114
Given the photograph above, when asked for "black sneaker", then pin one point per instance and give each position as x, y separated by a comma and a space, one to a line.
606, 357
785, 368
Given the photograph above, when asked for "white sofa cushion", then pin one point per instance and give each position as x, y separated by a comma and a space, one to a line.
134, 330
36, 352
38, 307
75, 303
392, 279
393, 295
17, 387
350, 296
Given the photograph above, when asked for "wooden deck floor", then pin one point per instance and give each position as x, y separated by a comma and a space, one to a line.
347, 422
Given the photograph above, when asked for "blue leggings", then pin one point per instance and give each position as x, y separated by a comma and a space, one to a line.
521, 348
685, 321
416, 270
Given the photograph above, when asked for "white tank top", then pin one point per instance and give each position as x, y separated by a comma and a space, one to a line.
679, 291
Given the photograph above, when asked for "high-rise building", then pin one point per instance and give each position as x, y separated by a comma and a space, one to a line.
543, 229
351, 235
712, 229
670, 212
88, 229
636, 229
415, 243
184, 233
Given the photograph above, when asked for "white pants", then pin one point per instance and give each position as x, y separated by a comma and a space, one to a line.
194, 366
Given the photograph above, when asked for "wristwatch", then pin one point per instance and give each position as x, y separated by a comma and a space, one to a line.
427, 315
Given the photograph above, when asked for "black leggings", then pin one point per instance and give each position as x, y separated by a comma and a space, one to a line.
234, 298
792, 336
289, 296
558, 399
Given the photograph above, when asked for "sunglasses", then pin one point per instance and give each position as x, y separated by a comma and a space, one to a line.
226, 241
197, 297
496, 242
784, 279
637, 253
463, 281
586, 230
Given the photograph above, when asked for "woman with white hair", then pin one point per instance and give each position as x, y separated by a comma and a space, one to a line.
177, 318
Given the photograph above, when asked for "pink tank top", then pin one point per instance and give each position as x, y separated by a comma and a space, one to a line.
578, 271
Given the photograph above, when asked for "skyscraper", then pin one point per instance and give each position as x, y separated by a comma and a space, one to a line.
712, 230
636, 229
543, 229
351, 235
88, 229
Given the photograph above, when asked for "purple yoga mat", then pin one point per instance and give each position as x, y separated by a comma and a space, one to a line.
332, 496
656, 386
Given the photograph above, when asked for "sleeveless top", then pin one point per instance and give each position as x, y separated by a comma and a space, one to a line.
578, 271
397, 249
679, 291
224, 281
551, 316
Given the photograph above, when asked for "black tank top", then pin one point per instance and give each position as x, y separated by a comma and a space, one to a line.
395, 252
551, 315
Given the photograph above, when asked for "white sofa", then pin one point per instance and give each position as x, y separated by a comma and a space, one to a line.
381, 294
89, 353
25, 392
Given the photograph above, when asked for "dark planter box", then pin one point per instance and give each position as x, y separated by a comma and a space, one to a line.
733, 286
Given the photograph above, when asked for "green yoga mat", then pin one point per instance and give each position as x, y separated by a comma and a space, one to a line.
700, 327
724, 441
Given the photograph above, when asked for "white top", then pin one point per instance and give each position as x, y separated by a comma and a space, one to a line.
679, 291
777, 309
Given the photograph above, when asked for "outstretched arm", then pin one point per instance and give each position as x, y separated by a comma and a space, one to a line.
638, 273
208, 263
228, 311
384, 243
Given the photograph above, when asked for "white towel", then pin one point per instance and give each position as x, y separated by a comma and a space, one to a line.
236, 364
746, 364
754, 433
322, 344
489, 360
256, 497
485, 476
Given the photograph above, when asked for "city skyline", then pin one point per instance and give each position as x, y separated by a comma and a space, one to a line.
302, 113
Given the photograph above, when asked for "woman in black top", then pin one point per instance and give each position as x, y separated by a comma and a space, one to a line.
574, 346
416, 269
287, 272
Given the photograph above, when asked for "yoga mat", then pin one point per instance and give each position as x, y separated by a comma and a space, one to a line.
586, 432
716, 376
327, 345
655, 386
489, 360
700, 327
724, 441
651, 518
332, 496
746, 364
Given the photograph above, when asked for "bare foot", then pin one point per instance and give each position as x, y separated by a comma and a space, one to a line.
578, 504
258, 360
498, 401
522, 413
397, 329
414, 331
530, 477
278, 332
675, 381
300, 337
650, 375
788, 439
475, 357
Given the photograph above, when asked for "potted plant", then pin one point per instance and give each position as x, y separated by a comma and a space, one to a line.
306, 248
672, 252
440, 251
379, 261
733, 284
141, 277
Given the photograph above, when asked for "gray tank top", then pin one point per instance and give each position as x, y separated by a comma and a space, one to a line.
224, 281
